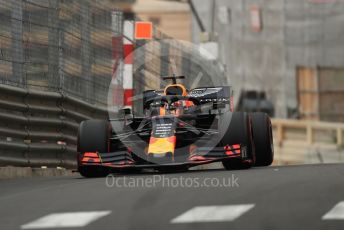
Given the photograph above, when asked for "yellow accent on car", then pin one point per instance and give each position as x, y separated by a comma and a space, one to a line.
161, 145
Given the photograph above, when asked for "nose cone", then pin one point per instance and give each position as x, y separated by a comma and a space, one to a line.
160, 158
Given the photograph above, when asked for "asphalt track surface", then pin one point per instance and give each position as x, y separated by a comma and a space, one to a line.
286, 197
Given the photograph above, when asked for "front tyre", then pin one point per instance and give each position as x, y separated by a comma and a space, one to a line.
93, 136
239, 131
263, 139
92, 171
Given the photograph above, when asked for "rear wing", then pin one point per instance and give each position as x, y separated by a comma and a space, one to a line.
212, 94
219, 97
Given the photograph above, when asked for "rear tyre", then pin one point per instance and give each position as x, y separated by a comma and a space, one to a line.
93, 136
263, 139
239, 131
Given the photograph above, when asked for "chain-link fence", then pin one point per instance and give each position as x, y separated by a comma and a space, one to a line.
59, 45
74, 47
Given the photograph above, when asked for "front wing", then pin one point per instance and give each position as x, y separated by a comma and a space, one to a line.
125, 160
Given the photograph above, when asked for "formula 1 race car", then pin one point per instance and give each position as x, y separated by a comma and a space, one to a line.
180, 129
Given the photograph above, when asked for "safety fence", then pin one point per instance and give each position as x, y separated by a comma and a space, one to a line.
76, 47
40, 128
56, 65
60, 46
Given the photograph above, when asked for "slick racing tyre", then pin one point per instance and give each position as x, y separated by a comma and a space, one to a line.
263, 139
93, 136
239, 131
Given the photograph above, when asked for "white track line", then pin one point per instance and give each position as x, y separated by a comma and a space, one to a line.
65, 220
336, 213
213, 213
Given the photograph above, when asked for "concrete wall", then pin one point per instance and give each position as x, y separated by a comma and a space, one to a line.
294, 33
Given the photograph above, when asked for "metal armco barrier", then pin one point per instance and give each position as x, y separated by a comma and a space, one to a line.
39, 128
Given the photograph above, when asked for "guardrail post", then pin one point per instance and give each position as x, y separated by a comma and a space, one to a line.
279, 134
309, 134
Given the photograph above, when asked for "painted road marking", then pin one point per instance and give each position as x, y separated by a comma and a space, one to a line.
213, 213
336, 213
65, 220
